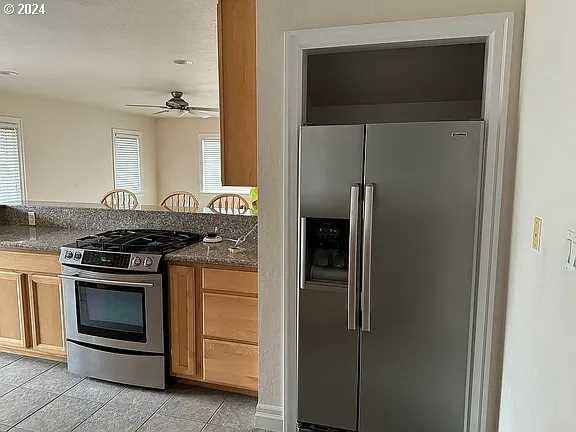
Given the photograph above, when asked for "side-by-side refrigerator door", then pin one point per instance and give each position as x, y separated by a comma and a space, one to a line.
420, 238
331, 159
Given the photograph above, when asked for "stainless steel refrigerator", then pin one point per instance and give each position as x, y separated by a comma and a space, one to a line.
389, 217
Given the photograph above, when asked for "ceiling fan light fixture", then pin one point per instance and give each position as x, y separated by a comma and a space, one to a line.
177, 104
11, 73
183, 62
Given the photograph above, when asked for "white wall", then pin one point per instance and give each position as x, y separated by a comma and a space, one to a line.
68, 148
179, 154
539, 383
275, 17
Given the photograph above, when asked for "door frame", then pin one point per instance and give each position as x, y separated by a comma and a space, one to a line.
496, 30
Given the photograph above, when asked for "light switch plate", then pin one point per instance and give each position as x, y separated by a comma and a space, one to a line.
537, 233
570, 263
31, 218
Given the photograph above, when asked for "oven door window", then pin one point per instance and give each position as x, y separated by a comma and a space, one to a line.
112, 312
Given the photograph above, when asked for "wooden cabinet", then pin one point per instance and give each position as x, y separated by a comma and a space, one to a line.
182, 297
12, 309
214, 326
231, 281
231, 363
46, 318
237, 72
31, 312
230, 317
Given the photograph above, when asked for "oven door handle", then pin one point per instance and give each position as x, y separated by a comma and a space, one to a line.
107, 282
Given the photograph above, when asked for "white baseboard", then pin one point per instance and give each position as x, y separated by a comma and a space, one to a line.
269, 418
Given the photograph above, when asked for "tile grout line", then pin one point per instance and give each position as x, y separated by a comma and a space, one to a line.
214, 413
124, 389
35, 411
151, 415
110, 400
27, 381
83, 400
49, 402
9, 363
99, 409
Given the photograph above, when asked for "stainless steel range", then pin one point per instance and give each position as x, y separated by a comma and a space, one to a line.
115, 302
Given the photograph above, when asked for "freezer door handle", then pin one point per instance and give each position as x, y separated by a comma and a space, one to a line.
353, 256
302, 252
367, 256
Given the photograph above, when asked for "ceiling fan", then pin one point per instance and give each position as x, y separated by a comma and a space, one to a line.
179, 104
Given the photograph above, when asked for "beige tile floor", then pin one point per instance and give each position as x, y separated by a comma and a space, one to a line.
42, 396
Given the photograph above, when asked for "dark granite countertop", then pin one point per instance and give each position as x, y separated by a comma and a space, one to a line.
38, 239
201, 253
50, 239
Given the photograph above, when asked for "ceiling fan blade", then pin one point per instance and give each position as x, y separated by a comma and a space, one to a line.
204, 109
203, 114
195, 114
161, 112
146, 106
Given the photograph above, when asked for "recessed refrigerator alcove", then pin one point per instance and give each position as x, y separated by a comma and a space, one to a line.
389, 85
390, 174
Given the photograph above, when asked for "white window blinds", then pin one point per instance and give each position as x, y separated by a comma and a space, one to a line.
211, 175
127, 163
11, 167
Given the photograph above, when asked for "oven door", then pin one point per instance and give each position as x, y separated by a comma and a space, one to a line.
121, 311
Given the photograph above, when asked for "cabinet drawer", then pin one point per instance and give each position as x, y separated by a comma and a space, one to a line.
230, 281
27, 262
231, 363
231, 317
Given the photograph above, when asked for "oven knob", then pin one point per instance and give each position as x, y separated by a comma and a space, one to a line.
136, 261
147, 261
68, 255
77, 256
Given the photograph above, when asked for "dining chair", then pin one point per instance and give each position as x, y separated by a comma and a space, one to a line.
229, 203
120, 199
180, 201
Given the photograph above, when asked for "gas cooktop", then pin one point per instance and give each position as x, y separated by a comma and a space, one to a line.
138, 240
124, 249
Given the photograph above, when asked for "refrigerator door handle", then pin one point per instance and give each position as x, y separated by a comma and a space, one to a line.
367, 256
302, 252
353, 256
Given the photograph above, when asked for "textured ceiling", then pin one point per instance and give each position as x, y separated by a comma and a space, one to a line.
113, 52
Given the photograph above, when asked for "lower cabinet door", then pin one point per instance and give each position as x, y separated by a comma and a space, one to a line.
230, 363
182, 321
45, 294
13, 332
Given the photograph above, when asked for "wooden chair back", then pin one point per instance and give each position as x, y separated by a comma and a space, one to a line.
229, 203
120, 199
180, 201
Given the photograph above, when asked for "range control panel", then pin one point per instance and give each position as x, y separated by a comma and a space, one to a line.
111, 260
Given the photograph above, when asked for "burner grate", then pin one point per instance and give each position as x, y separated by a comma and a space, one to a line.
151, 241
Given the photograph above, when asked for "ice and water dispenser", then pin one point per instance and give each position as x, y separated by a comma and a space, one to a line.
325, 251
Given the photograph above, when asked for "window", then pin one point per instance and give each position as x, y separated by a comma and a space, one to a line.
11, 164
211, 175
127, 170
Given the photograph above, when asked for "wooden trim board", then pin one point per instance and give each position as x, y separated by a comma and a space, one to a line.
496, 30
